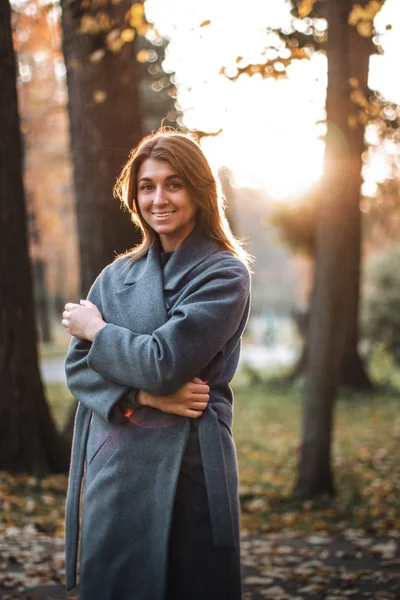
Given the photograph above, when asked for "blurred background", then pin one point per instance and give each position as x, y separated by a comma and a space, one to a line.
302, 129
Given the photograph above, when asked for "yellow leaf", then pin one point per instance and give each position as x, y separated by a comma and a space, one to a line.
136, 16
99, 96
205, 23
115, 45
305, 7
86, 25
375, 109
364, 13
143, 29
92, 25
128, 35
353, 81
142, 56
372, 9
114, 41
358, 97
352, 121
96, 56
355, 15
137, 9
364, 28
299, 53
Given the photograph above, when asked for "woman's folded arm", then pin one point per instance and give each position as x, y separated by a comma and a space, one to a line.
200, 326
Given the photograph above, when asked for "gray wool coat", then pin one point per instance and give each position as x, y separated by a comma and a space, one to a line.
164, 327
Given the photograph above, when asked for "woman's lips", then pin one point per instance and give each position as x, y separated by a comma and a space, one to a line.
164, 215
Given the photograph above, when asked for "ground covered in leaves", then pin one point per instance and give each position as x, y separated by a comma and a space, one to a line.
297, 566
282, 566
331, 549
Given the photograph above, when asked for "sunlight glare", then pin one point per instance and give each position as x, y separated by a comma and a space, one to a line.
272, 131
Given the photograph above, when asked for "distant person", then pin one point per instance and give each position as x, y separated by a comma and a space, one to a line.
154, 349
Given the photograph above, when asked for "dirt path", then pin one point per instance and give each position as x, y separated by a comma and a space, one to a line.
278, 566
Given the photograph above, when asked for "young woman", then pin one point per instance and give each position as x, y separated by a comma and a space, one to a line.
153, 351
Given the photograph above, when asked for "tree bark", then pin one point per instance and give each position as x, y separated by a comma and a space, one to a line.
337, 274
353, 373
29, 441
105, 124
352, 369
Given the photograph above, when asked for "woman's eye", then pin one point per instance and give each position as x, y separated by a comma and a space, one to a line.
175, 185
146, 187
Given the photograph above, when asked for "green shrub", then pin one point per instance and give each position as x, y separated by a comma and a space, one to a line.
381, 306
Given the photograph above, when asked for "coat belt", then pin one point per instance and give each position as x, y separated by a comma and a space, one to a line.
216, 483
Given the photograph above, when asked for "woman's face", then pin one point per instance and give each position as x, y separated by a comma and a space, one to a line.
165, 202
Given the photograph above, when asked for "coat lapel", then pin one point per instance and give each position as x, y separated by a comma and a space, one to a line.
141, 302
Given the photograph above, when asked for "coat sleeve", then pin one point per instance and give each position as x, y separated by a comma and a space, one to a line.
94, 390
199, 327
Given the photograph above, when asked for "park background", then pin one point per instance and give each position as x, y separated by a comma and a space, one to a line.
302, 130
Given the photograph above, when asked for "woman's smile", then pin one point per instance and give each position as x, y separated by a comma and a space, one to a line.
164, 215
165, 202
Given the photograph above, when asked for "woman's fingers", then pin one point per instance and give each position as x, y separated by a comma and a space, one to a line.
198, 388
88, 304
70, 306
192, 414
198, 380
198, 406
183, 411
198, 398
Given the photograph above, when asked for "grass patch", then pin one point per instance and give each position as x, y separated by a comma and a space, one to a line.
59, 344
267, 428
60, 401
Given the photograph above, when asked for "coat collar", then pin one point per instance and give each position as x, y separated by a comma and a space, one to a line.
191, 252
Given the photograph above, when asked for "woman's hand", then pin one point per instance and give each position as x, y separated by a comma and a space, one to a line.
189, 401
82, 320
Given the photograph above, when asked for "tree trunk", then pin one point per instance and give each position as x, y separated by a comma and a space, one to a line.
336, 291
28, 438
352, 373
352, 369
105, 124
359, 50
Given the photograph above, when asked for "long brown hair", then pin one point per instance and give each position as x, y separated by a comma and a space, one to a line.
187, 158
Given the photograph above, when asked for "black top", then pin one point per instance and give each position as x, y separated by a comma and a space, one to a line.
165, 256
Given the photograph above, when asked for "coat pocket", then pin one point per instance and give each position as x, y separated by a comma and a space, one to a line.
97, 450
98, 455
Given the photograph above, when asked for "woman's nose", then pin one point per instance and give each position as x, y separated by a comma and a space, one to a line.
159, 196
